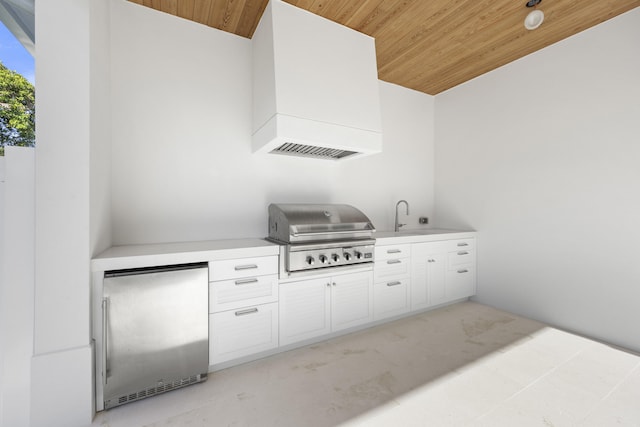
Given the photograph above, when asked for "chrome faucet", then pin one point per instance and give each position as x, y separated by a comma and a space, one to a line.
398, 225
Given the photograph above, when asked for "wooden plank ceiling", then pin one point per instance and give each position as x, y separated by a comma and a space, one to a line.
426, 45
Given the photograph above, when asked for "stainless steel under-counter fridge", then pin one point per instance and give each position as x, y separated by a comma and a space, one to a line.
155, 331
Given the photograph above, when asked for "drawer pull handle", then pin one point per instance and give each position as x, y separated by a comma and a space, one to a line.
463, 244
245, 267
394, 261
396, 283
463, 271
247, 311
463, 253
246, 281
394, 251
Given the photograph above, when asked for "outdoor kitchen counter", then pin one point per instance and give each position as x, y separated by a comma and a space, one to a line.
138, 256
420, 236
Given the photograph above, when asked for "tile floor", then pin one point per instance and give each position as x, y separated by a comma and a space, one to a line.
461, 365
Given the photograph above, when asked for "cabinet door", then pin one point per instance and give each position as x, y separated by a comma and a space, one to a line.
436, 279
427, 274
304, 310
351, 300
390, 298
237, 333
461, 282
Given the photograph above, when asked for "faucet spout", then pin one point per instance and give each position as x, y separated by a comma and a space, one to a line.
397, 224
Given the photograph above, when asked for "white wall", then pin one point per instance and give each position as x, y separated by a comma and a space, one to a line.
100, 126
541, 157
182, 162
404, 169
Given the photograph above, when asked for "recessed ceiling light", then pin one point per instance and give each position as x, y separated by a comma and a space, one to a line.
535, 17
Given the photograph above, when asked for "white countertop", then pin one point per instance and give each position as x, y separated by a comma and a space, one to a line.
419, 236
137, 256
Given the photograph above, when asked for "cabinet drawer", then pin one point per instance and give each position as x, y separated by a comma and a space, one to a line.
460, 283
238, 333
461, 245
230, 294
392, 251
391, 269
390, 298
460, 257
243, 267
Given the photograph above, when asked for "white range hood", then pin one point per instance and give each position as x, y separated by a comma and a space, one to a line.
315, 87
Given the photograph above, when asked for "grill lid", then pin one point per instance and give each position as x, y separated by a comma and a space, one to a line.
292, 223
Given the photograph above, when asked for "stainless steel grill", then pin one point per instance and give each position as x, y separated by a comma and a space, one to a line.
316, 237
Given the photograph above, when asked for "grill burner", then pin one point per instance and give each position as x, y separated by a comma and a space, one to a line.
315, 237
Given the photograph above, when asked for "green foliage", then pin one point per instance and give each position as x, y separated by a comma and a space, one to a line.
17, 110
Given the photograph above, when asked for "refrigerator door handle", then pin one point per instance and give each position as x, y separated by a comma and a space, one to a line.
105, 338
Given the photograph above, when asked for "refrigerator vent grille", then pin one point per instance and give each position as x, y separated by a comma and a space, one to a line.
154, 390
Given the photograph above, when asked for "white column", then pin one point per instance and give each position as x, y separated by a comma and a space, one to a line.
16, 285
72, 44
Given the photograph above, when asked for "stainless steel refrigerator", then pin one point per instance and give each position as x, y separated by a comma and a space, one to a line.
155, 331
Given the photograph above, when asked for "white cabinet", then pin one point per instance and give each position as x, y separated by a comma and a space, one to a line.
304, 310
238, 333
442, 271
461, 272
243, 306
392, 271
428, 262
242, 267
315, 307
243, 291
351, 300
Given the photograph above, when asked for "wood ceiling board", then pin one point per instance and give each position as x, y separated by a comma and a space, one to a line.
201, 11
185, 9
426, 45
170, 6
225, 14
251, 14
505, 47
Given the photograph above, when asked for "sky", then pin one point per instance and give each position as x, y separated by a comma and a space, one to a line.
14, 56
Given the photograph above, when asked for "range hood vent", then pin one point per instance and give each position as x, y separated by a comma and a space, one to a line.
312, 151
316, 91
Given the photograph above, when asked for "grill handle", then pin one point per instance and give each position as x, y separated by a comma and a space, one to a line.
315, 233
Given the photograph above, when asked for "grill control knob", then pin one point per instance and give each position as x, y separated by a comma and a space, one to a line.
358, 255
335, 257
323, 259
310, 260
347, 256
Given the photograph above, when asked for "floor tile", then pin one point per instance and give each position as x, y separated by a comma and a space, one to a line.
462, 365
